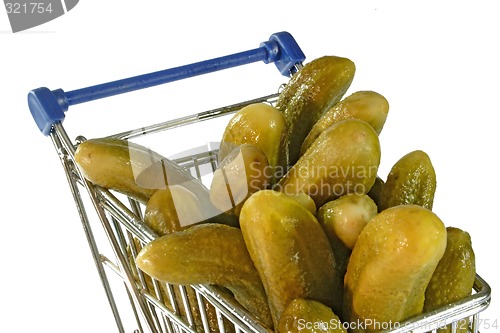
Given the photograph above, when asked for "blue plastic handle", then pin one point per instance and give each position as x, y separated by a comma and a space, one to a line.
48, 106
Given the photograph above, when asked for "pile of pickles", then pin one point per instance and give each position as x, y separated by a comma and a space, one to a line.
297, 224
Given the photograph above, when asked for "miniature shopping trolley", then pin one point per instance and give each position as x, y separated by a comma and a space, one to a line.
142, 304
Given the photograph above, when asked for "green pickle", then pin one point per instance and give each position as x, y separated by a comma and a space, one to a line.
364, 105
346, 217
138, 172
391, 265
208, 253
412, 180
315, 88
342, 220
454, 276
261, 125
132, 169
308, 316
290, 250
241, 173
170, 210
343, 159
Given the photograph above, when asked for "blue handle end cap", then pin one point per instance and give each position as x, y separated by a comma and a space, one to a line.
47, 107
284, 51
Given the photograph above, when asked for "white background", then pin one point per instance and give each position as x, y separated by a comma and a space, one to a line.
437, 63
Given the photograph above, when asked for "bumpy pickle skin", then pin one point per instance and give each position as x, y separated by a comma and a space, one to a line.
366, 105
241, 173
411, 180
261, 125
343, 159
208, 253
308, 316
139, 172
454, 276
130, 168
391, 265
315, 88
289, 249
172, 209
177, 297
346, 216
305, 200
343, 220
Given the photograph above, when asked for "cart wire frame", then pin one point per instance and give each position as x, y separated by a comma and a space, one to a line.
162, 307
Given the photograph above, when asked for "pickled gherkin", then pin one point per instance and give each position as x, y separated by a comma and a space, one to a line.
172, 209
208, 253
132, 169
411, 180
315, 88
346, 217
343, 159
242, 172
261, 125
391, 265
368, 105
308, 316
289, 249
343, 220
454, 276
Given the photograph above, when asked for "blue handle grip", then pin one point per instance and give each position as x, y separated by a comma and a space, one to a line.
48, 106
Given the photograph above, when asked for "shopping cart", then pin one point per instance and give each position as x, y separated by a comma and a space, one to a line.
142, 304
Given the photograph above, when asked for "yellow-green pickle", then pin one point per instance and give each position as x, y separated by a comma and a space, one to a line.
170, 210
343, 220
139, 172
131, 168
261, 125
454, 276
289, 249
368, 105
343, 159
242, 172
172, 295
411, 180
208, 253
315, 88
390, 267
304, 200
308, 316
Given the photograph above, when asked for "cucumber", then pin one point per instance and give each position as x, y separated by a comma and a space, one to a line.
315, 88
